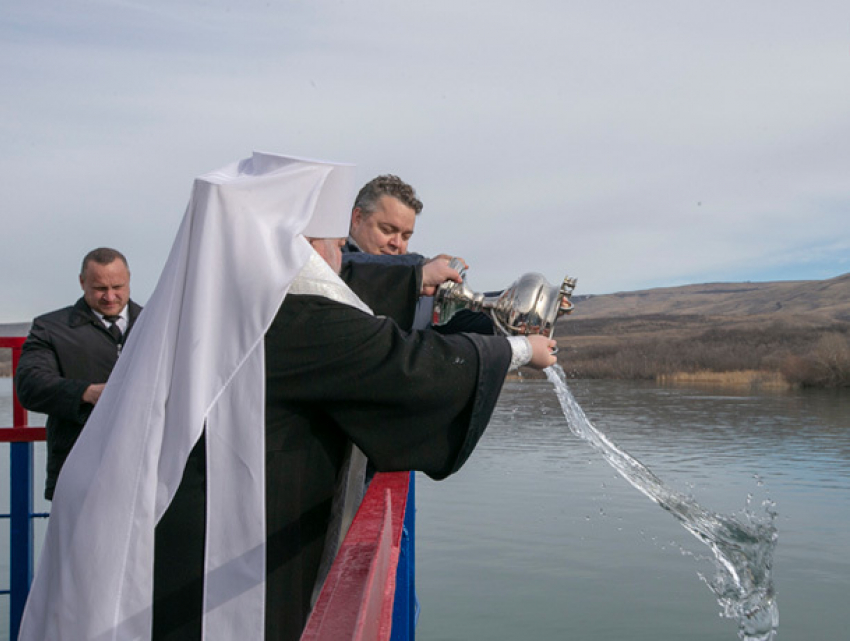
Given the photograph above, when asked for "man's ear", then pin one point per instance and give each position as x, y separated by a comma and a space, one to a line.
357, 216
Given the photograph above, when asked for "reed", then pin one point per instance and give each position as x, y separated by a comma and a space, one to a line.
742, 379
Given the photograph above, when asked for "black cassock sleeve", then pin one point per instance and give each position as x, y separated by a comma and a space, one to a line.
413, 400
410, 401
388, 289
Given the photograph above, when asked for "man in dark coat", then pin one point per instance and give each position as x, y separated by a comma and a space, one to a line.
383, 220
69, 354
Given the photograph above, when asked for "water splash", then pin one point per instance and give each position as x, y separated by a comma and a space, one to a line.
742, 545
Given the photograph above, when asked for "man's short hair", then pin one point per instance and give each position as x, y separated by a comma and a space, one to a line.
102, 256
387, 185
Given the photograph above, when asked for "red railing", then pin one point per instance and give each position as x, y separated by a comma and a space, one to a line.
366, 579
357, 599
19, 432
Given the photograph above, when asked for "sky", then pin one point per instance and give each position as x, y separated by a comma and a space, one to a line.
630, 145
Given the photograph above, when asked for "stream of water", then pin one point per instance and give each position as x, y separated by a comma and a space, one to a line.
742, 544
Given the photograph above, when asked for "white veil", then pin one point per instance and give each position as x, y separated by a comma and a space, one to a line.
194, 357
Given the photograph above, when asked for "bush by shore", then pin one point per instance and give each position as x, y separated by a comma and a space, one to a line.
666, 347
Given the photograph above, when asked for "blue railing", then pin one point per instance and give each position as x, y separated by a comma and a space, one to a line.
21, 539
406, 605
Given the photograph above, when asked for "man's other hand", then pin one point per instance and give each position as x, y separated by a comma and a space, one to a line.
436, 272
93, 392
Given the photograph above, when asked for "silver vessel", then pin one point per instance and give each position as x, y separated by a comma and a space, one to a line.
529, 306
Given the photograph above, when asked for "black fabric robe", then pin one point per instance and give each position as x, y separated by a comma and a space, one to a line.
410, 401
390, 290
382, 270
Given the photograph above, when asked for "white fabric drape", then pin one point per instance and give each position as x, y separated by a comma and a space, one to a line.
194, 358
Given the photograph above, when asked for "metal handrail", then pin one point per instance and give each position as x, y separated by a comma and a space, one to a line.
360, 597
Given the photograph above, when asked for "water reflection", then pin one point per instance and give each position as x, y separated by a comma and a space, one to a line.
548, 542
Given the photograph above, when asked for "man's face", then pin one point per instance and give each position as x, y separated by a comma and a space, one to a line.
387, 230
106, 288
330, 249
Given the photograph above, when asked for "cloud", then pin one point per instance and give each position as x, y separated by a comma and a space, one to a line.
630, 145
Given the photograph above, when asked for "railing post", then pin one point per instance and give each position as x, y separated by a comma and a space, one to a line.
21, 542
19, 414
20, 532
405, 605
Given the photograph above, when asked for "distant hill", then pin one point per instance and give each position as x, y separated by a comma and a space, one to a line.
14, 329
10, 329
825, 299
800, 329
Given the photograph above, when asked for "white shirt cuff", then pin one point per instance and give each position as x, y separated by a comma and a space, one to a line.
520, 351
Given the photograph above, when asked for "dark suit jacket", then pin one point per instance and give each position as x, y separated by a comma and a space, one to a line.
66, 351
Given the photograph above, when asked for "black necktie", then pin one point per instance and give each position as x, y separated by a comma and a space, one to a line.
113, 327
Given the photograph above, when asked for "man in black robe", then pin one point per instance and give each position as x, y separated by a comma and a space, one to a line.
336, 375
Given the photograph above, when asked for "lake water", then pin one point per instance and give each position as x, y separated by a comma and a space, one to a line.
538, 538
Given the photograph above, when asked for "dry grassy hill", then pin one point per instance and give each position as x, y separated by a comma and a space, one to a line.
10, 329
796, 329
822, 299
